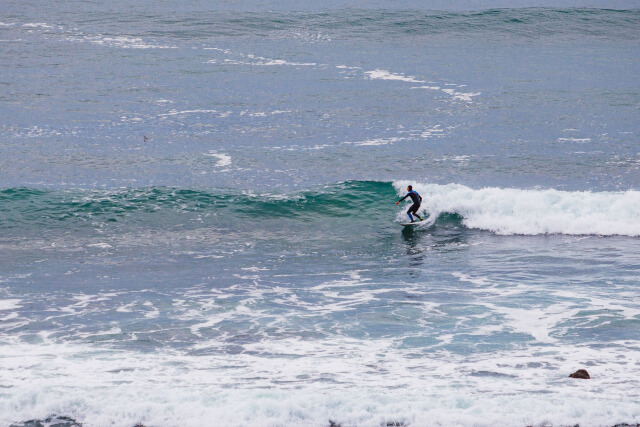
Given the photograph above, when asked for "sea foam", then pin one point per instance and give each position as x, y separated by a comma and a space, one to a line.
102, 387
532, 212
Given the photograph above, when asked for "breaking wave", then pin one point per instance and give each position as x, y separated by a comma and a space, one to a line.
499, 210
531, 212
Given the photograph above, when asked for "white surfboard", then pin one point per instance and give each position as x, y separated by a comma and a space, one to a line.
427, 222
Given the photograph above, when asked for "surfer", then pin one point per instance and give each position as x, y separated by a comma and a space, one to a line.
417, 199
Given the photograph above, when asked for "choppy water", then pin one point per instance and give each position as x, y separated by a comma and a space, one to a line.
197, 220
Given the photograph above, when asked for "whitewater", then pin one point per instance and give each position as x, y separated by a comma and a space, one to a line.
531, 212
198, 221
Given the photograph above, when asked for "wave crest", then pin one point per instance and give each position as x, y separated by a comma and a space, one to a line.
532, 212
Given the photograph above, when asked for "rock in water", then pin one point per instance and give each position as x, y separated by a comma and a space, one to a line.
581, 373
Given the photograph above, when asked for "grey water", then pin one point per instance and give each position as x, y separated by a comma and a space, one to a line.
197, 219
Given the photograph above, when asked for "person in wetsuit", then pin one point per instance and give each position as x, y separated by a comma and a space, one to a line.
417, 199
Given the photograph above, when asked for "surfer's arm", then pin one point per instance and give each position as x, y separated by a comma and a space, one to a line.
402, 198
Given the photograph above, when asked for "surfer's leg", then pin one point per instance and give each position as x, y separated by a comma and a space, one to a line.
416, 212
413, 209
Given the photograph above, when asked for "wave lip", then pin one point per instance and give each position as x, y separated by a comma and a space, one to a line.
510, 211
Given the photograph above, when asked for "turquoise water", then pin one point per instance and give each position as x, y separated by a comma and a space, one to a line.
198, 221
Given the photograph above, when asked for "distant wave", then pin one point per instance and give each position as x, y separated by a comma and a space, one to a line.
375, 23
532, 212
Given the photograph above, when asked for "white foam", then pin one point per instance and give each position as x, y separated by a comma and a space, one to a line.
456, 159
462, 96
101, 245
176, 112
151, 312
208, 256
261, 61
255, 269
311, 37
9, 316
433, 131
112, 41
531, 212
85, 300
482, 281
36, 132
125, 42
225, 51
223, 159
534, 321
379, 74
127, 308
268, 62
577, 140
9, 304
36, 25
14, 277
375, 141
337, 373
427, 87
307, 382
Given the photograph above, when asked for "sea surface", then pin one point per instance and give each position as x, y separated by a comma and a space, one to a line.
198, 223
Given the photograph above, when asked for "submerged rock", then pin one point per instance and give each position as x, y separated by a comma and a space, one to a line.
581, 373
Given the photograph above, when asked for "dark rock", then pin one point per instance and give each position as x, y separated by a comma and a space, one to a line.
580, 373
52, 421
334, 424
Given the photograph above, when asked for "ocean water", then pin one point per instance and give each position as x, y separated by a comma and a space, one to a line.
198, 222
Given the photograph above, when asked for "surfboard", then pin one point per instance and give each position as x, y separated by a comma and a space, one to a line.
426, 221
412, 223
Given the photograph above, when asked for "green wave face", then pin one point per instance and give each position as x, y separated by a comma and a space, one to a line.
34, 208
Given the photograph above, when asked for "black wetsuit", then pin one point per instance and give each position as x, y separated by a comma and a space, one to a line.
415, 197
